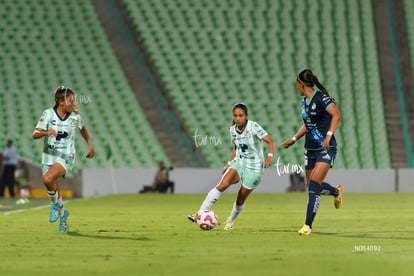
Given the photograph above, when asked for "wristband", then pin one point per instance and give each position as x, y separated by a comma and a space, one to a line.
294, 138
270, 154
329, 133
229, 163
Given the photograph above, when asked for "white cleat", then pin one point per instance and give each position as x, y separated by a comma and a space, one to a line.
229, 225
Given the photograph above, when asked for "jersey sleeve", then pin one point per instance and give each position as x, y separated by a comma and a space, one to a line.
258, 130
44, 120
79, 121
326, 101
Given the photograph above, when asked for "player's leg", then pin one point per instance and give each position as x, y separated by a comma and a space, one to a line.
230, 177
250, 181
310, 163
238, 207
317, 176
327, 189
51, 181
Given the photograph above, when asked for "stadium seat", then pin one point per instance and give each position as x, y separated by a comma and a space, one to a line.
63, 53
251, 53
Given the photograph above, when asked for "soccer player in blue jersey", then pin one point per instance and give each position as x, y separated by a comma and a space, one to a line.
58, 125
321, 118
246, 165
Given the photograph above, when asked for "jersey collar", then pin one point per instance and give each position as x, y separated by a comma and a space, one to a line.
313, 94
60, 118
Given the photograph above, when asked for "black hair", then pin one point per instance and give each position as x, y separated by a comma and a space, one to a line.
241, 106
61, 93
309, 79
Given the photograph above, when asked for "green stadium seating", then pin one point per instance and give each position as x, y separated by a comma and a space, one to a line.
51, 43
208, 56
212, 54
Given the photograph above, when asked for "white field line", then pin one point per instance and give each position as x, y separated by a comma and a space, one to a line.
29, 209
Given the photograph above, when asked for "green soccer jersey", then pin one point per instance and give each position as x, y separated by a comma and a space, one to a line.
249, 146
63, 145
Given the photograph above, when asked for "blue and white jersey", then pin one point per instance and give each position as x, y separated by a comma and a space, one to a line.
63, 145
249, 146
317, 120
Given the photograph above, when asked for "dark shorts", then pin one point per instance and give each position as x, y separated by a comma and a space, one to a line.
313, 156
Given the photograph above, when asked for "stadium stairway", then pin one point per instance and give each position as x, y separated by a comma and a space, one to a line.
176, 141
393, 115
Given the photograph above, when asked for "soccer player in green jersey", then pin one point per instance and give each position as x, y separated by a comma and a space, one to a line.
246, 165
58, 125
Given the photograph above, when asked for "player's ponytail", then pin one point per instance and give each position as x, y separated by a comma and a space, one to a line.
309, 79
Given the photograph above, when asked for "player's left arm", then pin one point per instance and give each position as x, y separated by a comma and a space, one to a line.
85, 135
336, 117
269, 158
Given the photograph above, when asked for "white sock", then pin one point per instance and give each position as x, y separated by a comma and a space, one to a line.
210, 199
61, 209
53, 196
235, 211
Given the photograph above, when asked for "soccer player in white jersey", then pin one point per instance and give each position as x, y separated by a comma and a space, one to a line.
246, 165
58, 125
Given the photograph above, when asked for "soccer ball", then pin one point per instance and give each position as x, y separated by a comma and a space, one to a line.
207, 219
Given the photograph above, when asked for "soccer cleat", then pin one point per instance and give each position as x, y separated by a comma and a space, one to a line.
63, 227
229, 225
305, 230
338, 198
54, 212
193, 217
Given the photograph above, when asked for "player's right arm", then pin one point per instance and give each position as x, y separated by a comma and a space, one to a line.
41, 127
297, 136
232, 156
39, 133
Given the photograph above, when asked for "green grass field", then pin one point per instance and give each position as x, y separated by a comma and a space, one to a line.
149, 234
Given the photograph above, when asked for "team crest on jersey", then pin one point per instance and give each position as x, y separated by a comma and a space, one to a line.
247, 134
73, 122
313, 106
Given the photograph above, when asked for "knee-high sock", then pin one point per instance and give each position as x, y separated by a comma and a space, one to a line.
328, 189
236, 211
53, 196
61, 208
313, 202
210, 199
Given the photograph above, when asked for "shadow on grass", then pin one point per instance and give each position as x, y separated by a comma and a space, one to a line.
103, 237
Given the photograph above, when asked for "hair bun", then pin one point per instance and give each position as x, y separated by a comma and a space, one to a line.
59, 88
